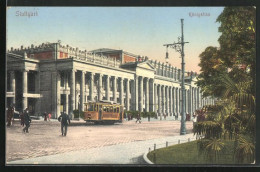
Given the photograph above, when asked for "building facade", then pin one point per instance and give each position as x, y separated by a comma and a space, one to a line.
55, 78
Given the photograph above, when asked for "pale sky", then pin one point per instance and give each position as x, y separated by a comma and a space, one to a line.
138, 30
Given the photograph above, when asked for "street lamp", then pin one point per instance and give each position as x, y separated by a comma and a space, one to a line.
179, 47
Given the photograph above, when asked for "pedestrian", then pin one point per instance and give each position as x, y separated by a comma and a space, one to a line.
187, 117
138, 118
164, 115
21, 115
27, 120
49, 116
10, 114
45, 116
65, 120
149, 117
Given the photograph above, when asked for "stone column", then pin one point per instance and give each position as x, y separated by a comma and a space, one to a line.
82, 90
159, 100
37, 82
127, 94
177, 102
133, 99
187, 101
91, 89
12, 79
25, 89
72, 92
155, 99
199, 95
151, 93
167, 100
67, 95
163, 99
173, 102
58, 95
122, 91
37, 91
190, 102
115, 90
107, 88
195, 99
100, 87
141, 94
170, 101
191, 97
136, 93
147, 95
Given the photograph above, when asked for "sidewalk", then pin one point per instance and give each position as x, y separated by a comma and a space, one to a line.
127, 153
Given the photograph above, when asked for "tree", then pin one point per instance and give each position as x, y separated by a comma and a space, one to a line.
211, 69
235, 119
236, 55
228, 72
237, 41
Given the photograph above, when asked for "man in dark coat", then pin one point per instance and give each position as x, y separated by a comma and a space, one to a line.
45, 116
65, 120
27, 120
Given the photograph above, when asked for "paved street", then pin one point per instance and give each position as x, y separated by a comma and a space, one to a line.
89, 144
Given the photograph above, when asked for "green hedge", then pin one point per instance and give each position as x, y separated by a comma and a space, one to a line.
143, 114
76, 114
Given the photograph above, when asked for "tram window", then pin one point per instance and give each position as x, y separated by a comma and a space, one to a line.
117, 109
105, 109
111, 109
89, 107
114, 109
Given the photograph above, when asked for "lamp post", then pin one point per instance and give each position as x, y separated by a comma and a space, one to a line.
179, 47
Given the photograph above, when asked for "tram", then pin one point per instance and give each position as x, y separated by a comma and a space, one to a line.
103, 112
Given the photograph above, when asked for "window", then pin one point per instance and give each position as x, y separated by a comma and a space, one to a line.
89, 107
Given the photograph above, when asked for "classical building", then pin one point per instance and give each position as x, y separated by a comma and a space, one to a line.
55, 78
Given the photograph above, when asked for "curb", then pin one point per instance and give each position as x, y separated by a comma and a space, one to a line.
146, 159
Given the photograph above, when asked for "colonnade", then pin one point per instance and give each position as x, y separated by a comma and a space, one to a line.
142, 93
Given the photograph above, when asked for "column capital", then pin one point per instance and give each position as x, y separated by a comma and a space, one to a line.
151, 79
25, 70
73, 70
84, 72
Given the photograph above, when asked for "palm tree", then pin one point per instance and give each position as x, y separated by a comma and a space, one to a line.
235, 119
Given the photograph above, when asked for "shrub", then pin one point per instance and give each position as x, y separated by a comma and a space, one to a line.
76, 114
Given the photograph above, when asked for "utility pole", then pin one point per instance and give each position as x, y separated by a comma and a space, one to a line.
179, 47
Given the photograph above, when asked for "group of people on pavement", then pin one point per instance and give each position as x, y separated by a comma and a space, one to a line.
25, 119
24, 116
47, 116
